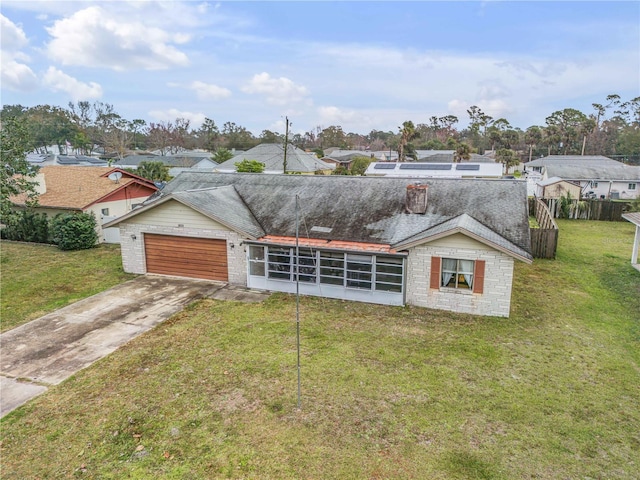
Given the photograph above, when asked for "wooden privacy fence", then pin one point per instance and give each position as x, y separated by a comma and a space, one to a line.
544, 240
604, 210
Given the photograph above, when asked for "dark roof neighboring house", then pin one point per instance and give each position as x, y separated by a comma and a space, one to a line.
135, 160
272, 156
587, 167
342, 156
449, 157
358, 209
179, 160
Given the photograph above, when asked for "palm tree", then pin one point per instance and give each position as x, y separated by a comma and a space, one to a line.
407, 133
462, 152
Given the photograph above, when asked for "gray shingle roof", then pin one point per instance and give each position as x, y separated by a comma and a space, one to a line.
272, 155
224, 205
588, 167
186, 161
363, 209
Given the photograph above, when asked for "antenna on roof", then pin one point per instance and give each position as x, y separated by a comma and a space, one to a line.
286, 143
115, 176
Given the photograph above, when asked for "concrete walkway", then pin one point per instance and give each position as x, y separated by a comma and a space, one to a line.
51, 348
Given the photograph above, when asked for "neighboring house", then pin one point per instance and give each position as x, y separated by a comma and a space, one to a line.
176, 163
532, 178
605, 177
634, 218
448, 156
59, 159
273, 158
436, 170
344, 158
106, 192
443, 244
555, 187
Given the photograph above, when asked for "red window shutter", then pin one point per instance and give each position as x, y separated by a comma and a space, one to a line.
435, 272
478, 277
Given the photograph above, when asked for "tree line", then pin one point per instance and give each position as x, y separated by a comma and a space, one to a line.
611, 129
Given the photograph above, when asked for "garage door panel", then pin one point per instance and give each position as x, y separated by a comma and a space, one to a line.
186, 256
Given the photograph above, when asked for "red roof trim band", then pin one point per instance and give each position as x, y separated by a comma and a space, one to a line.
333, 244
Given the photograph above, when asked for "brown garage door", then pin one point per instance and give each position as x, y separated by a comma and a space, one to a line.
186, 256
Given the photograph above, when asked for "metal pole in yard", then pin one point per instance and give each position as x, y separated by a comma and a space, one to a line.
298, 297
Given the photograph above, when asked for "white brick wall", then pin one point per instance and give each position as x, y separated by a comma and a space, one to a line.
133, 259
494, 301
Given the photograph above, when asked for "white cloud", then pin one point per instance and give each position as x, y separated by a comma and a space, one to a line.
13, 37
170, 115
332, 115
59, 81
278, 91
16, 74
209, 91
94, 38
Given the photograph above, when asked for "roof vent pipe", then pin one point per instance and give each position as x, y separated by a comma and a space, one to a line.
416, 201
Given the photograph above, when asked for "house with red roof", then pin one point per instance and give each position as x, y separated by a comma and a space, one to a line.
106, 192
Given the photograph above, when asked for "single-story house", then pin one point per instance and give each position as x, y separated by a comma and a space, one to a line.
106, 192
599, 176
176, 163
273, 158
634, 217
447, 244
555, 187
438, 170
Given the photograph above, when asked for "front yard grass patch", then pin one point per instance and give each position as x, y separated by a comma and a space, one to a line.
37, 279
387, 392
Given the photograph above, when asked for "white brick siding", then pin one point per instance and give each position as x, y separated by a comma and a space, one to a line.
495, 299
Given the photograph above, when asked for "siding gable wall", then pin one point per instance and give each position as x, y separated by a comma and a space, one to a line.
173, 213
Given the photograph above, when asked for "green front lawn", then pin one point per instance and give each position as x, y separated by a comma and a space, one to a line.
387, 392
37, 279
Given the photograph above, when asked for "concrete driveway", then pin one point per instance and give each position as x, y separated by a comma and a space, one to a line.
50, 349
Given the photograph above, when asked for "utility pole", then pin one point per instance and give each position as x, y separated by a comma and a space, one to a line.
286, 143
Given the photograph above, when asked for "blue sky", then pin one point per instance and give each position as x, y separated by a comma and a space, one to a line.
360, 65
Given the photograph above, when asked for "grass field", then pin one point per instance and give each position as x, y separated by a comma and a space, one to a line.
387, 392
37, 279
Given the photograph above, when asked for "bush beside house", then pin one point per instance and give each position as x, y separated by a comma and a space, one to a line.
69, 231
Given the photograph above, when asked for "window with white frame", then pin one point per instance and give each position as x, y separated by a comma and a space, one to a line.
332, 268
307, 265
358, 272
632, 186
457, 273
256, 260
279, 265
389, 273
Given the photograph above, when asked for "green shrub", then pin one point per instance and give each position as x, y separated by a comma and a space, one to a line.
27, 226
75, 231
249, 166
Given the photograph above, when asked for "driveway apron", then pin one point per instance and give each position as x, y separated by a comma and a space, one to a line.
51, 348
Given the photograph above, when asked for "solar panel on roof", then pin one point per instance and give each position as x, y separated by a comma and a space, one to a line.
425, 166
467, 166
385, 166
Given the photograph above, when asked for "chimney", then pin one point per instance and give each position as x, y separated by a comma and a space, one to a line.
416, 201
